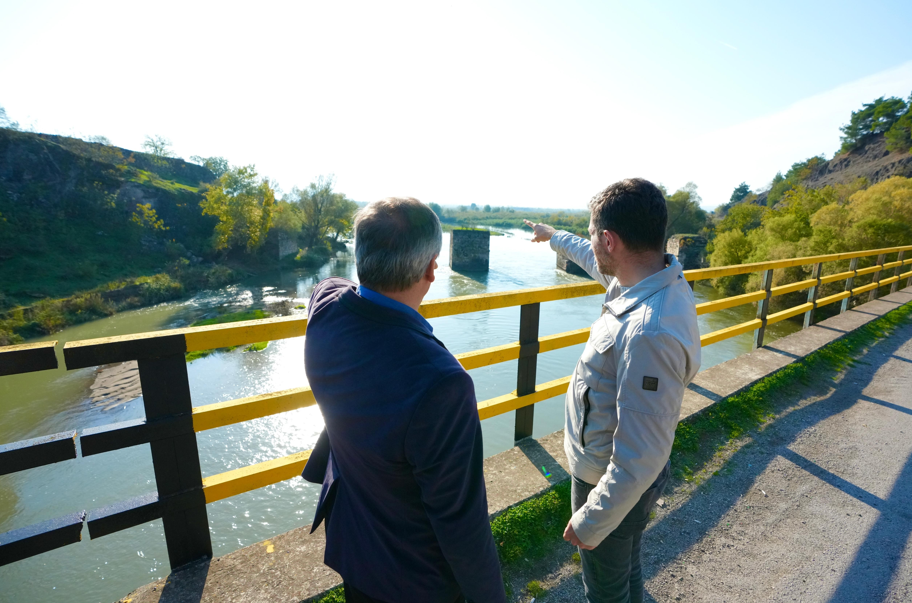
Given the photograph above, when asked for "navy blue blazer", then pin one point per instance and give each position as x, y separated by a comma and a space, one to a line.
404, 479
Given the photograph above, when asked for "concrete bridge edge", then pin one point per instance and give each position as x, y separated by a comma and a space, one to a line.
289, 567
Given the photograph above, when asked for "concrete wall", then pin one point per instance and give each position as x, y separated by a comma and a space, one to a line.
287, 246
569, 266
689, 249
470, 250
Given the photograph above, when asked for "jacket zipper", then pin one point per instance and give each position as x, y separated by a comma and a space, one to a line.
582, 437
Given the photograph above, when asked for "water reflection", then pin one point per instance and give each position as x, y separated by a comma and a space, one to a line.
53, 401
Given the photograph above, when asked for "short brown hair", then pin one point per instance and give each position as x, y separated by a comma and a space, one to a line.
395, 240
634, 209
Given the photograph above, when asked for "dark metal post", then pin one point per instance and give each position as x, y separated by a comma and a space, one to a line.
766, 281
895, 286
528, 362
880, 261
853, 266
166, 393
813, 294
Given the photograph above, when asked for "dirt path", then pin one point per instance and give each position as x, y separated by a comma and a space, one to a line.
815, 507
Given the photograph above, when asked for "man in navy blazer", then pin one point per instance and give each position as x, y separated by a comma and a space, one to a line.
403, 491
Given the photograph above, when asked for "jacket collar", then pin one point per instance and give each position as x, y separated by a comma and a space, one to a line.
646, 287
372, 311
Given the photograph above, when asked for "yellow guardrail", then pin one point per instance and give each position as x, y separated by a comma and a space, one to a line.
149, 348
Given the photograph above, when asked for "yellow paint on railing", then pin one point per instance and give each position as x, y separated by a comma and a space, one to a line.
562, 340
869, 270
892, 265
245, 479
841, 276
488, 356
774, 318
502, 404
247, 409
799, 286
729, 302
905, 275
491, 301
728, 332
706, 273
860, 290
831, 299
510, 351
889, 281
242, 333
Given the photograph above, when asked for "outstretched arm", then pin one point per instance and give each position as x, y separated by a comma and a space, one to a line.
578, 249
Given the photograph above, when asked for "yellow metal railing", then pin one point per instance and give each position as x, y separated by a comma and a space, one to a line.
160, 356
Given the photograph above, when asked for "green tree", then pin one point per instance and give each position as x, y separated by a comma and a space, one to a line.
684, 212
487, 209
159, 146
740, 192
147, 218
744, 217
243, 204
899, 136
876, 117
473, 207
216, 165
323, 211
435, 207
98, 139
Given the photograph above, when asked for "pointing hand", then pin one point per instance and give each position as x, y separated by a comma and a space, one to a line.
541, 233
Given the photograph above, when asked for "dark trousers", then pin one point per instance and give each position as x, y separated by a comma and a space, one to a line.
612, 571
353, 595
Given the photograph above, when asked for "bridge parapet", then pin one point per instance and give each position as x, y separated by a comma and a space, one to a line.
171, 423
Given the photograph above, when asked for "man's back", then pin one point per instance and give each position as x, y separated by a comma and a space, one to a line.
409, 517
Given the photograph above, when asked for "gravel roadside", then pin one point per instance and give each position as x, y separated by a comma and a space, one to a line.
814, 507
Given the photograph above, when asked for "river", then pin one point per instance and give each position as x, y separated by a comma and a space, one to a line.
103, 570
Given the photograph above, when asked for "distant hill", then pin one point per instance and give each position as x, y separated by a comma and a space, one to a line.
871, 160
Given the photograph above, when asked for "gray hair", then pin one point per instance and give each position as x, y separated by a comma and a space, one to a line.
395, 240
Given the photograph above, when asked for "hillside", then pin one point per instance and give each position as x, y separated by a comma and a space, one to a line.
69, 219
871, 160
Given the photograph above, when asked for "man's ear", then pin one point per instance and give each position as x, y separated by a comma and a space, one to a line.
429, 271
612, 241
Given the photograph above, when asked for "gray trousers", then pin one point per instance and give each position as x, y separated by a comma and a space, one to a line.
612, 571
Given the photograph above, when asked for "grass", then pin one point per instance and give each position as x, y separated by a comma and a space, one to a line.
526, 530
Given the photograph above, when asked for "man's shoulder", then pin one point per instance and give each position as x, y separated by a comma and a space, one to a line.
326, 292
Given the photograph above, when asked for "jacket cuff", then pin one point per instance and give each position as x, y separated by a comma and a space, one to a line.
584, 529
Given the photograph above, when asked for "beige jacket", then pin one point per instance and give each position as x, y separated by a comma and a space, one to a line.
624, 399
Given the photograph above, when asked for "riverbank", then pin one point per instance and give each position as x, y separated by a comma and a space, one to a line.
51, 315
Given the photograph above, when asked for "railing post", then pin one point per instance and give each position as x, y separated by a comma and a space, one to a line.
880, 261
528, 363
813, 294
166, 392
766, 281
850, 282
895, 286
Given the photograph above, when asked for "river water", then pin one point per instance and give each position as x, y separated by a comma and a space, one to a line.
105, 569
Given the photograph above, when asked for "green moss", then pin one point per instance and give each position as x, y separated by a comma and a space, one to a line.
257, 347
535, 588
522, 530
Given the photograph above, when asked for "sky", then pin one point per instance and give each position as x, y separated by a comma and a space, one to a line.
517, 103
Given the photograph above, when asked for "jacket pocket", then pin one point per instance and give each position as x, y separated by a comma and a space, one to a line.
585, 421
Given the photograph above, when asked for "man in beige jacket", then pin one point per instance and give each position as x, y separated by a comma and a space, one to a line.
624, 399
